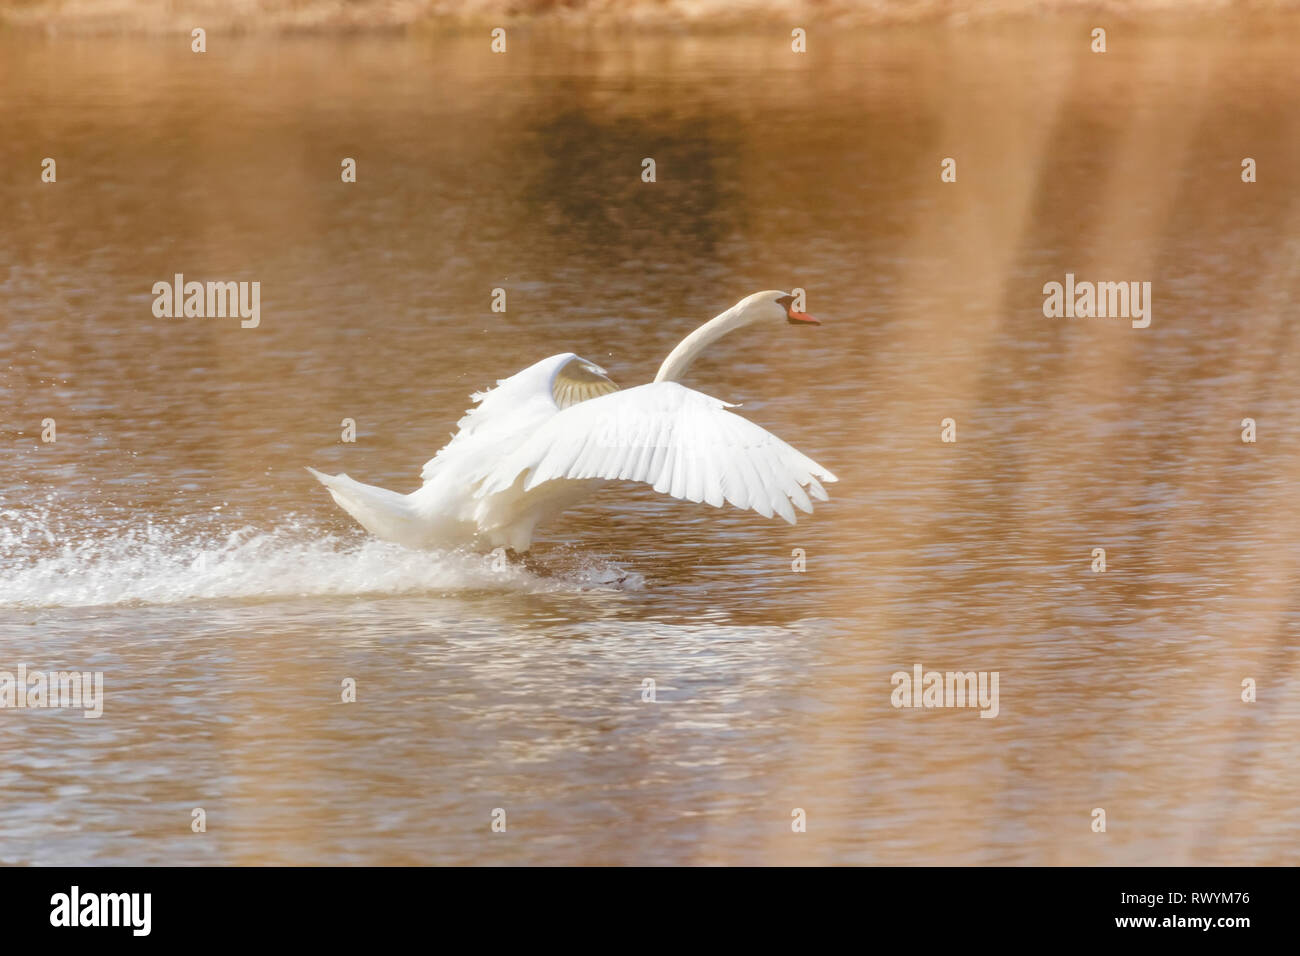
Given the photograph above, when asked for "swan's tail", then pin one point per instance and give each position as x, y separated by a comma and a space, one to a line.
383, 513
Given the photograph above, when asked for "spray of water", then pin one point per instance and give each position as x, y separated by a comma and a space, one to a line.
51, 560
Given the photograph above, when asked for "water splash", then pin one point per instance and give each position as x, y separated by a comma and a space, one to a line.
45, 561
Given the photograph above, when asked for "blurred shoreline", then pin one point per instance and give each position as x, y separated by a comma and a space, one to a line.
366, 16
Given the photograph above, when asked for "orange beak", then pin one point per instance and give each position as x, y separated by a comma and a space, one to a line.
800, 318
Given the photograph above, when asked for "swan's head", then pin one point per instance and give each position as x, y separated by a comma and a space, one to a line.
772, 306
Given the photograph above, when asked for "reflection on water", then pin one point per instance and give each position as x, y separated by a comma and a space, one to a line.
171, 539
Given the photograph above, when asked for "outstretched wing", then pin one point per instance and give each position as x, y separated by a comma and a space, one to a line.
504, 416
683, 442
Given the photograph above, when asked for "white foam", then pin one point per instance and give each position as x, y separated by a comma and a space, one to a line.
43, 564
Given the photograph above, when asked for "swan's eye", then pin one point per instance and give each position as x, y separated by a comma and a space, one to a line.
785, 302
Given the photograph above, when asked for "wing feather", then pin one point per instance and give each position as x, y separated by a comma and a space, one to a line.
578, 381
508, 414
681, 442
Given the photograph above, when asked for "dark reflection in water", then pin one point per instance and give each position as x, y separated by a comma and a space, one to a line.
171, 539
592, 197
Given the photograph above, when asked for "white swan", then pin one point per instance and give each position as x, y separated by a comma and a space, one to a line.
547, 436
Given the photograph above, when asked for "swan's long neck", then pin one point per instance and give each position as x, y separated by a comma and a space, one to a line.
689, 348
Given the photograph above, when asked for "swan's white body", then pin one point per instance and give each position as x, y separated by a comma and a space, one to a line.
544, 438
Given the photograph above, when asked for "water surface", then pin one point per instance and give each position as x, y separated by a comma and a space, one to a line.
171, 539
